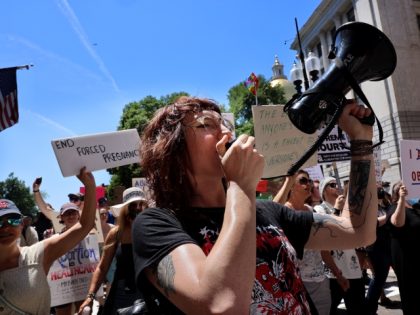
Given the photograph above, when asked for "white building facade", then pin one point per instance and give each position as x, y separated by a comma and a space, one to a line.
395, 100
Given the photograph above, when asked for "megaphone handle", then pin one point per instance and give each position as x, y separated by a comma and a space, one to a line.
298, 164
369, 120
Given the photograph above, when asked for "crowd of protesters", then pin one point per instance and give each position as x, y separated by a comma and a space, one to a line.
205, 244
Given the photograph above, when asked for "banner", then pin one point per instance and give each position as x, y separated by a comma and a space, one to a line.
69, 276
96, 152
332, 148
278, 140
410, 166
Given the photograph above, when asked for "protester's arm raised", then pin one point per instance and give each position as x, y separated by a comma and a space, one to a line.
356, 227
62, 243
398, 217
222, 281
281, 196
42, 205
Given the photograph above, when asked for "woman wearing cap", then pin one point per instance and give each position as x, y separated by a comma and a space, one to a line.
118, 243
23, 283
69, 216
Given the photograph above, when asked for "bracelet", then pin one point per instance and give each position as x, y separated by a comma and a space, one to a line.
35, 191
361, 147
91, 296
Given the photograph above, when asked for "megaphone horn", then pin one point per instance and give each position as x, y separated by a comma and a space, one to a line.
360, 52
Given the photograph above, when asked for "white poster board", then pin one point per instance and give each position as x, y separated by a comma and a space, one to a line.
231, 120
98, 151
410, 166
333, 148
69, 276
315, 172
281, 143
142, 183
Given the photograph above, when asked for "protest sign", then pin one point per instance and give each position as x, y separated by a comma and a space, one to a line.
230, 121
69, 276
98, 151
281, 143
333, 149
410, 166
315, 172
142, 183
378, 165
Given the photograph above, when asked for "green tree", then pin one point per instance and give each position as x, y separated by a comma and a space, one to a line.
16, 190
137, 115
241, 101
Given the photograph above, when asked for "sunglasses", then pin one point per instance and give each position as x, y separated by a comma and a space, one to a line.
332, 185
12, 221
305, 181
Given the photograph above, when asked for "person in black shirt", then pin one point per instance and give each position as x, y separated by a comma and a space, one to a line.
208, 246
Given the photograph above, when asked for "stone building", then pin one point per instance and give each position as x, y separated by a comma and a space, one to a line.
395, 100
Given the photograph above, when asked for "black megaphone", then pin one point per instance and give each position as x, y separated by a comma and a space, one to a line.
361, 52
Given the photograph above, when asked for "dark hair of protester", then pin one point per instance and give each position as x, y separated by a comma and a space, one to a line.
208, 246
166, 168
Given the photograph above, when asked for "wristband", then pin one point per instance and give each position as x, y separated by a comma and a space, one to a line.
91, 296
361, 147
35, 191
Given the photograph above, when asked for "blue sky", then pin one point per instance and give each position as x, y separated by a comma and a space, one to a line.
91, 58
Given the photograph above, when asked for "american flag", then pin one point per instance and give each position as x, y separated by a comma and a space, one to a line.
9, 114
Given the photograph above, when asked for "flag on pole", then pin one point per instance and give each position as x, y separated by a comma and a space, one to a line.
9, 114
252, 83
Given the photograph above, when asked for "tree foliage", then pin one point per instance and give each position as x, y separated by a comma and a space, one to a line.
16, 190
137, 115
241, 102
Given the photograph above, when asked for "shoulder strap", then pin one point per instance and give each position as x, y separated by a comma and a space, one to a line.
10, 305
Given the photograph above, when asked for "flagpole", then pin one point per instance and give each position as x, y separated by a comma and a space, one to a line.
24, 67
18, 67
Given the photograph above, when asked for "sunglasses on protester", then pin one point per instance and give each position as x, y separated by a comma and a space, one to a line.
305, 181
12, 221
332, 185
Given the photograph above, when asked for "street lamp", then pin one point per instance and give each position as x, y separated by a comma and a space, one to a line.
296, 76
313, 66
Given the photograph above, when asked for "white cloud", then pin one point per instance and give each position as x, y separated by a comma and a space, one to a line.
54, 124
78, 28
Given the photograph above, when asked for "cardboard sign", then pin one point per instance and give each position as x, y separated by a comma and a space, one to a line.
410, 166
230, 119
315, 172
142, 183
333, 149
96, 152
69, 276
281, 143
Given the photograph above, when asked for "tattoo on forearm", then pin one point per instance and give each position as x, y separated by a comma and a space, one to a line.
320, 221
359, 177
165, 274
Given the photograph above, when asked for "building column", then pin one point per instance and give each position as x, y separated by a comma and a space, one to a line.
325, 50
337, 21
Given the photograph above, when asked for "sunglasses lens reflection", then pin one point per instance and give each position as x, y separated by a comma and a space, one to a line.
14, 222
